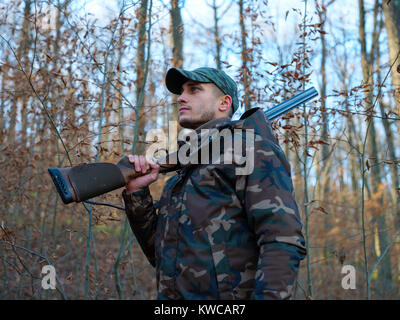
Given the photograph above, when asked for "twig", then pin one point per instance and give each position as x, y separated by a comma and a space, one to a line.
61, 291
16, 253
382, 256
309, 276
104, 204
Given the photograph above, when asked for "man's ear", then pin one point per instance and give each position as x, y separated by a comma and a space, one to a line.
225, 103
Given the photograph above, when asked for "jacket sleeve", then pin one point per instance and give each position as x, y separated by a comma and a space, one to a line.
143, 220
273, 215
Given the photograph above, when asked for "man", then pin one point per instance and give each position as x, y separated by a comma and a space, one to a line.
218, 235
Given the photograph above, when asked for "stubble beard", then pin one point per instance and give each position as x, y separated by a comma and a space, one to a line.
191, 123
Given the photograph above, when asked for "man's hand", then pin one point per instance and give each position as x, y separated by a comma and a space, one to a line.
142, 165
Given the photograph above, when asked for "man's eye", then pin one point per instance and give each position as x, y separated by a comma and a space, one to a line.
194, 89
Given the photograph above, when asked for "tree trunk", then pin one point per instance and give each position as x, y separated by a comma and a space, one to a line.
354, 165
217, 36
325, 148
177, 34
323, 185
23, 47
385, 274
141, 76
390, 146
392, 23
177, 47
119, 99
244, 57
3, 79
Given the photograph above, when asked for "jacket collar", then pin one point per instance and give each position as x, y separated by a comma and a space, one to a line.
213, 123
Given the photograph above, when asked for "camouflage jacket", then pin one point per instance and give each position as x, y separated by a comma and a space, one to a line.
218, 235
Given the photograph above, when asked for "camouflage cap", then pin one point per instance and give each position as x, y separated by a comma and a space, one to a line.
175, 78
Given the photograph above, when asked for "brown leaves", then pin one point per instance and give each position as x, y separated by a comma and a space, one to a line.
113, 219
69, 277
314, 143
390, 161
376, 205
287, 127
288, 116
27, 293
227, 64
310, 202
321, 209
6, 234
63, 81
322, 142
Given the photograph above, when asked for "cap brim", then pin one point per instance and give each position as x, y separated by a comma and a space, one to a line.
175, 78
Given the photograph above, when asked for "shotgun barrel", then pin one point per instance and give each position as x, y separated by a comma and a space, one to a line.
287, 105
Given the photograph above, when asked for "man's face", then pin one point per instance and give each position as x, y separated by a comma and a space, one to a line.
197, 104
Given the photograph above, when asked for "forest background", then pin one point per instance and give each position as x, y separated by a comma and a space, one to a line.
82, 81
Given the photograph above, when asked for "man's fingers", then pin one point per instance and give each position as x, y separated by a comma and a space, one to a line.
136, 162
154, 175
142, 164
145, 164
154, 165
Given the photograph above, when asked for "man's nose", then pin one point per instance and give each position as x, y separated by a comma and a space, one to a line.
182, 98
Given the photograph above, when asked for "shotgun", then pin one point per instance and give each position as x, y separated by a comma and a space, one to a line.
89, 180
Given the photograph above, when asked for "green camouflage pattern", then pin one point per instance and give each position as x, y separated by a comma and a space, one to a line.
175, 78
218, 235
